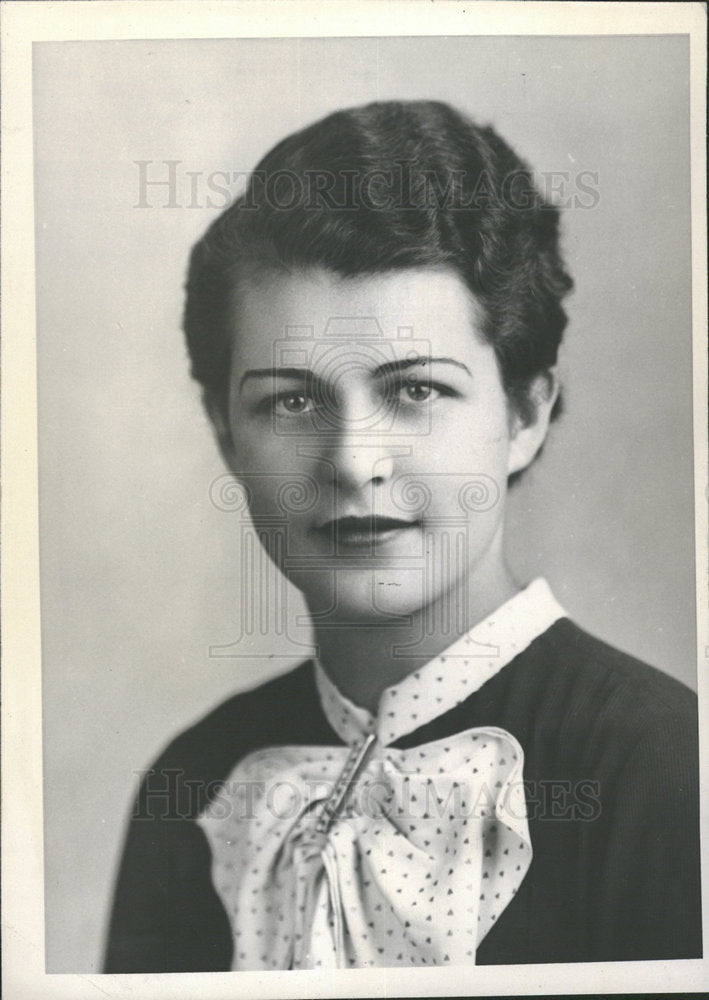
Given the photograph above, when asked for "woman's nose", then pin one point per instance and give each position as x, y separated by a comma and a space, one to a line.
354, 449
356, 460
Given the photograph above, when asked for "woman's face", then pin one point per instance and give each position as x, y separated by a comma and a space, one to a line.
370, 429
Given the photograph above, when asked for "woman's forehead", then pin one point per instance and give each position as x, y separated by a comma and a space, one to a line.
429, 306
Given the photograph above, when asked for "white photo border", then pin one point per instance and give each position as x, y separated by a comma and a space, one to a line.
22, 818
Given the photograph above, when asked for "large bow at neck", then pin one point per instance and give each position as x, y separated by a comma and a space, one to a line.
421, 859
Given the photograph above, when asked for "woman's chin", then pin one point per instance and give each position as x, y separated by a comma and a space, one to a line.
364, 596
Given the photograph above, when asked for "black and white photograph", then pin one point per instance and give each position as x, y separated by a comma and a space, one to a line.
368, 428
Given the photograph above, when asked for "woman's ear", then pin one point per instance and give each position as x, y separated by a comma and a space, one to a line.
527, 437
217, 411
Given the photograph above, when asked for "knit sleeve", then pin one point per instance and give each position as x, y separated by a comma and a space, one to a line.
648, 894
166, 916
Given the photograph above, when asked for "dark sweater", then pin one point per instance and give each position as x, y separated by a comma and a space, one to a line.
611, 776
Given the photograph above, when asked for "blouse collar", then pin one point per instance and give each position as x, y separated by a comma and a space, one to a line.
449, 678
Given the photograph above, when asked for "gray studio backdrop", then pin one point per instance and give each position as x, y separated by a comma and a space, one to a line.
143, 585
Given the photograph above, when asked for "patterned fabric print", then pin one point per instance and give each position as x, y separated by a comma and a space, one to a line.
430, 850
431, 847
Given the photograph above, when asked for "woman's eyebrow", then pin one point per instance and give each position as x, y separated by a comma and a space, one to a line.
390, 367
300, 373
387, 368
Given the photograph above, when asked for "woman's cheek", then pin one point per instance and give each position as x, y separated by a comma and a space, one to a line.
259, 450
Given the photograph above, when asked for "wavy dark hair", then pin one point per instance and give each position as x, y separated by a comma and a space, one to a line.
388, 186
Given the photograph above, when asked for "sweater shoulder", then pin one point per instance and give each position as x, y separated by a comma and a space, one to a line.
614, 677
582, 700
273, 712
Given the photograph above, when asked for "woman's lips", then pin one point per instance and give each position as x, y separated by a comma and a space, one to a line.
363, 532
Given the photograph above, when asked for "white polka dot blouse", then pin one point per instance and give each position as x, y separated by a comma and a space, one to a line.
365, 855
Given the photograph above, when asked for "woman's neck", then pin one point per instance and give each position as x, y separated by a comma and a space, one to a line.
364, 658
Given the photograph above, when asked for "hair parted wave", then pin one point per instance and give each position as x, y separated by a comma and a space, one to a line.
384, 187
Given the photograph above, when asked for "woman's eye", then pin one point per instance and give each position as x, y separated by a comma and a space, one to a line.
293, 403
420, 392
